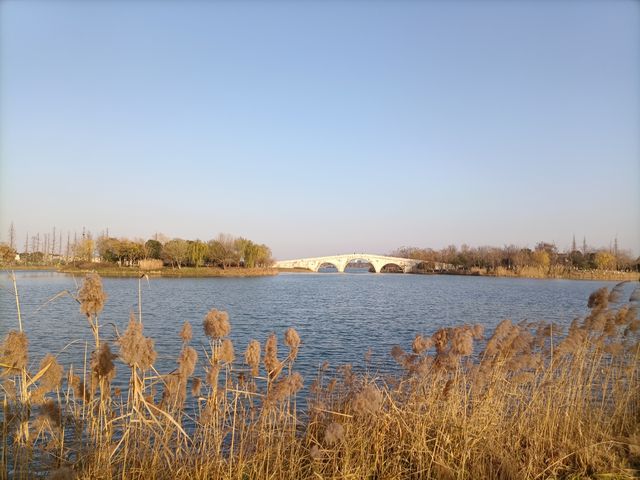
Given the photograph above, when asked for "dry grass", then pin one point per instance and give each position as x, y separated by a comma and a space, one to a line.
109, 270
560, 272
528, 402
149, 264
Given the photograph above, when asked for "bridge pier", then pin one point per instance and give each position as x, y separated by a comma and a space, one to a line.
377, 266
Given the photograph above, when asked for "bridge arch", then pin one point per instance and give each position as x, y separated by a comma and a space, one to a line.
325, 264
359, 259
400, 268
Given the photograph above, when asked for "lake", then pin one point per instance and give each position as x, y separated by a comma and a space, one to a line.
338, 316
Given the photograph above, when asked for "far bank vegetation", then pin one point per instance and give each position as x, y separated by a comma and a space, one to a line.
222, 252
545, 260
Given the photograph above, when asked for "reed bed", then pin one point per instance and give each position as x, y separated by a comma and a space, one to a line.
526, 401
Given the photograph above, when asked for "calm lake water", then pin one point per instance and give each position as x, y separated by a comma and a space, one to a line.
338, 316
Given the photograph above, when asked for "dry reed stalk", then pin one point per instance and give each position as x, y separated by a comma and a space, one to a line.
149, 264
17, 297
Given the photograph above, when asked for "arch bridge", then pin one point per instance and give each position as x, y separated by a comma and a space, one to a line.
378, 262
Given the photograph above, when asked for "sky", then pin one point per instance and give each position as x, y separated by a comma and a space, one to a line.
321, 128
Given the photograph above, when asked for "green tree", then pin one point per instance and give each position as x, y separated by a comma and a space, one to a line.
197, 251
108, 249
578, 260
153, 248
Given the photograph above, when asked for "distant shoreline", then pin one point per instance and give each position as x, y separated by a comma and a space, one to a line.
236, 272
168, 272
595, 275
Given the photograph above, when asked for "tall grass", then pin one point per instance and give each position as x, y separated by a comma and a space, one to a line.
528, 401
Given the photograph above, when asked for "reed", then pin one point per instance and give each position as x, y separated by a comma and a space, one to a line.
528, 400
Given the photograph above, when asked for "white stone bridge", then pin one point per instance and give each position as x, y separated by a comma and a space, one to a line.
341, 261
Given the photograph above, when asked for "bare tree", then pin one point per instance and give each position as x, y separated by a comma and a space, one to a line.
44, 247
12, 236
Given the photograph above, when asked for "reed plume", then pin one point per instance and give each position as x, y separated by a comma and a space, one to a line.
226, 352
216, 324
50, 379
292, 340
175, 391
14, 351
187, 362
101, 363
271, 362
91, 295
186, 333
252, 357
284, 388
367, 401
334, 433
53, 375
196, 385
136, 350
421, 344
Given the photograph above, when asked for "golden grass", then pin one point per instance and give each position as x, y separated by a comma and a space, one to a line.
108, 270
561, 272
530, 401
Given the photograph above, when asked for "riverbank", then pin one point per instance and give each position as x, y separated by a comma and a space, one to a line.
232, 272
132, 272
184, 272
553, 274
599, 275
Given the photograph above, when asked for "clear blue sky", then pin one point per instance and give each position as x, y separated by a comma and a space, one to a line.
323, 127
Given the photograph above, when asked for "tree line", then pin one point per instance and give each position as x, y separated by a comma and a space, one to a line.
545, 256
223, 251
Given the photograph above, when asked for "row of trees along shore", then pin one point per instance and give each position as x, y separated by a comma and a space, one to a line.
223, 251
544, 257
